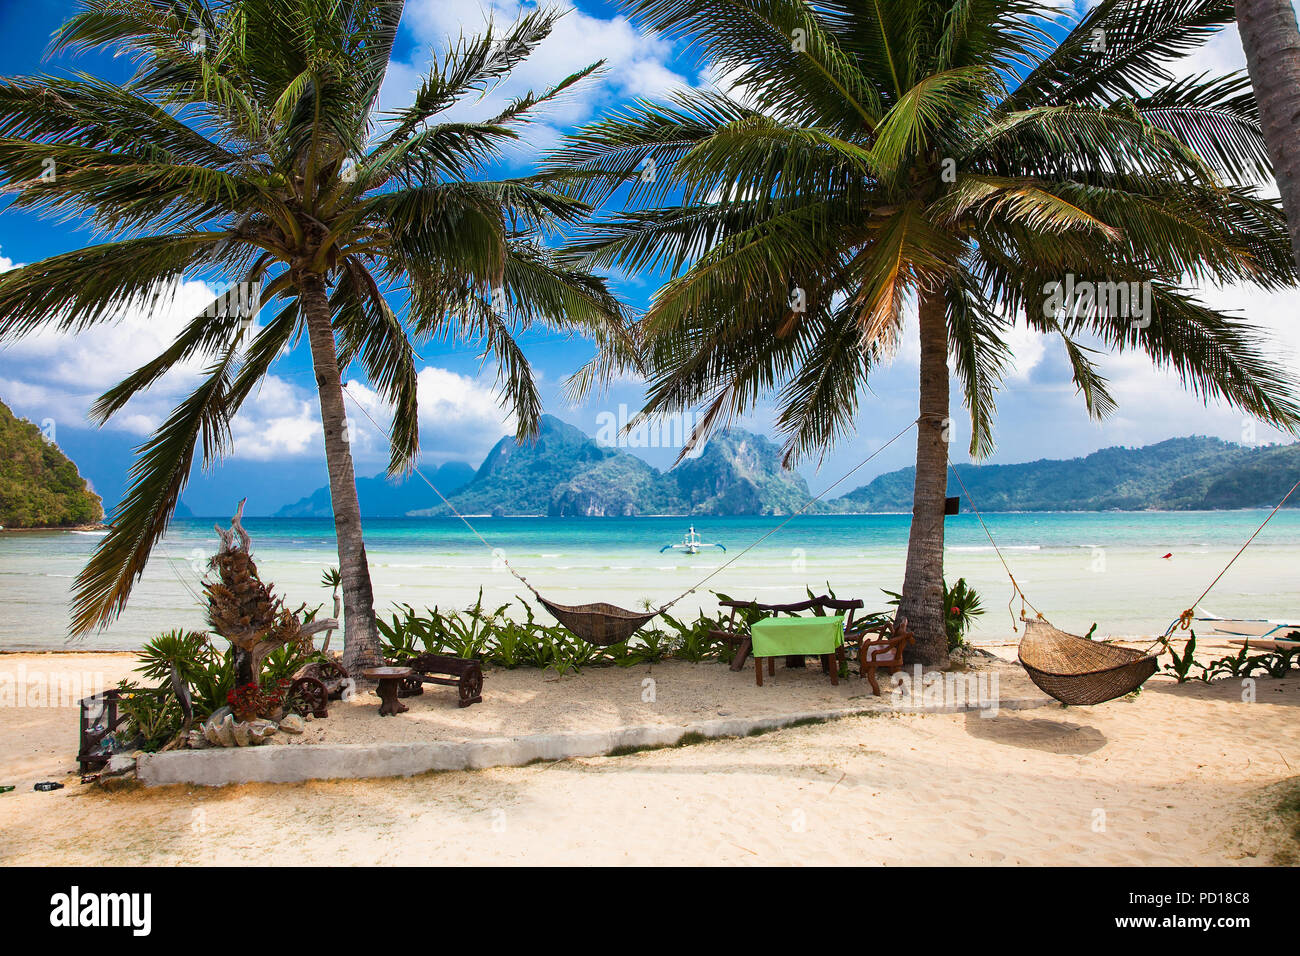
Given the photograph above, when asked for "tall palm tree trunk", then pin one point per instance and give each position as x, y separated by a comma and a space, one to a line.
1272, 43
922, 602
360, 635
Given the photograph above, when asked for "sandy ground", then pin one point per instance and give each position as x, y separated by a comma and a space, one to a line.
1178, 775
519, 702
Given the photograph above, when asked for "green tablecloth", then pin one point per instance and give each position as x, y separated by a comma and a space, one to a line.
778, 636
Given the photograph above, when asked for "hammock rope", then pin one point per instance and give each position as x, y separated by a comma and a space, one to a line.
1079, 671
808, 504
1016, 589
607, 624
1184, 620
473, 530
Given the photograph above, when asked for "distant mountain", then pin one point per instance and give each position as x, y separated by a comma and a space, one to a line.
739, 473
564, 472
381, 497
1178, 474
39, 486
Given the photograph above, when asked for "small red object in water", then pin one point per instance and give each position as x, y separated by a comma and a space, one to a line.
1169, 555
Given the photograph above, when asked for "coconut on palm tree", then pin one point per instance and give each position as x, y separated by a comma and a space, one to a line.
246, 149
974, 159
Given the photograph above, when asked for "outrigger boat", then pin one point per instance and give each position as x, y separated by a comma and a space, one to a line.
691, 544
1214, 626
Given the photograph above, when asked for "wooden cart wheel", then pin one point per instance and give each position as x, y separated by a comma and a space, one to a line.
334, 676
330, 673
307, 695
471, 688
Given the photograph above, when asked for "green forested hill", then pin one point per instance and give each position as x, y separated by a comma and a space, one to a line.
39, 486
1178, 474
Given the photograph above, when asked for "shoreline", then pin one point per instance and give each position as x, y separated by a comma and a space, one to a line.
5, 529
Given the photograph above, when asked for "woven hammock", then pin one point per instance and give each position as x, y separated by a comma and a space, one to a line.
601, 624
1075, 670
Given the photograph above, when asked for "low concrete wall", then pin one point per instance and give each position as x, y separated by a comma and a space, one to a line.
292, 763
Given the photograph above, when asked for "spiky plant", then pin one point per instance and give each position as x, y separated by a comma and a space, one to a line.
241, 608
957, 154
246, 148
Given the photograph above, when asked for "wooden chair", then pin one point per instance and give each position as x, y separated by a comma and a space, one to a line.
884, 650
738, 634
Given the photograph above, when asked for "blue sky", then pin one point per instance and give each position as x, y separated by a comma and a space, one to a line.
277, 456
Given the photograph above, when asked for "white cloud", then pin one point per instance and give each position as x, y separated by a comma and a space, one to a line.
101, 356
56, 375
637, 64
1154, 400
280, 420
60, 374
1028, 346
461, 418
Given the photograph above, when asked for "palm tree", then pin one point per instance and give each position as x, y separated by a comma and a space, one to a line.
246, 146
1271, 40
956, 154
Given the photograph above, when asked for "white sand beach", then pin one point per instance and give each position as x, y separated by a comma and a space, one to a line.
1178, 775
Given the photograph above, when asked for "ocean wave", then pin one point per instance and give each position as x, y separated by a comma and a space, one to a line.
989, 547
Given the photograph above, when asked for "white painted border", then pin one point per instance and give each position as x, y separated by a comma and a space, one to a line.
297, 762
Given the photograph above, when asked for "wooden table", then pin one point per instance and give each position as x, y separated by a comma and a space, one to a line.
821, 636
390, 682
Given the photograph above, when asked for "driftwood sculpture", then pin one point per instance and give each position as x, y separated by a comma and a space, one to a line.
245, 611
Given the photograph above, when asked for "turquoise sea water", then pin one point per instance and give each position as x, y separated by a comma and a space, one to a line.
1077, 568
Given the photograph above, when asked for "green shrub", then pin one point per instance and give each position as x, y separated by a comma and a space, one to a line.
1241, 664
510, 641
1181, 667
153, 715
209, 673
961, 605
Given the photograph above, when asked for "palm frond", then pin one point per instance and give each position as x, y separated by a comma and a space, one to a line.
158, 477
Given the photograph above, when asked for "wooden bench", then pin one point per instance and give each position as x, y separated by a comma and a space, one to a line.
464, 674
738, 635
